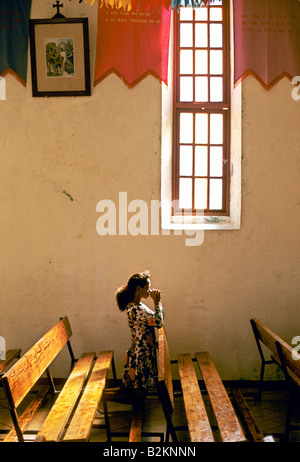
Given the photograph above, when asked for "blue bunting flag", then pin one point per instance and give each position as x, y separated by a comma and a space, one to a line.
14, 15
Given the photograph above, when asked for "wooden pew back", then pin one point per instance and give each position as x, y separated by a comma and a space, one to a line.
165, 382
19, 380
265, 335
290, 364
164, 366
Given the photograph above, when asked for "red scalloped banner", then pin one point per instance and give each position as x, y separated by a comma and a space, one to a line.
132, 44
266, 40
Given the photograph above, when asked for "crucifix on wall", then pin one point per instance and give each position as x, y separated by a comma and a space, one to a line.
58, 6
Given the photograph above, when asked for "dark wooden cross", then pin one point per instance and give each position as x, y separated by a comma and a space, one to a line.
58, 6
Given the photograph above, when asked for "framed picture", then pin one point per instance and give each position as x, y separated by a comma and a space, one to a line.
60, 63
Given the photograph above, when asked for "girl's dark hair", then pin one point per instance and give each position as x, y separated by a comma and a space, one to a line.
125, 294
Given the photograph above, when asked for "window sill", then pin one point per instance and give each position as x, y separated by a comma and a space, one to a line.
199, 222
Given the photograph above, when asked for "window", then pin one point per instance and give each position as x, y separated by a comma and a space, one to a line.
201, 109
204, 128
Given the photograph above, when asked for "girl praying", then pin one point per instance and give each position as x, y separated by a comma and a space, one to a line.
140, 360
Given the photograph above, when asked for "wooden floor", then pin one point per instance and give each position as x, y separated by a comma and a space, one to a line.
270, 415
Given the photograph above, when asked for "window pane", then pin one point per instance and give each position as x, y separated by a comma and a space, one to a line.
185, 193
201, 14
186, 14
215, 194
186, 62
201, 124
201, 161
216, 35
186, 89
216, 89
201, 65
216, 62
216, 14
199, 93
186, 35
216, 161
200, 193
201, 35
201, 89
186, 161
186, 128
216, 129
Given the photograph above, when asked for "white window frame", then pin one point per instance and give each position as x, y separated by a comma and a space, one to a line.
200, 221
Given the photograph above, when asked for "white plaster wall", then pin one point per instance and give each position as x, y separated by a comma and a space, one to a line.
53, 262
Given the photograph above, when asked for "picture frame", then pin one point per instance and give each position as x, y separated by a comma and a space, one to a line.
60, 62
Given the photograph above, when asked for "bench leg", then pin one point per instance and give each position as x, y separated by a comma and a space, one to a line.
170, 430
15, 420
261, 378
168, 433
261, 381
13, 414
113, 366
107, 426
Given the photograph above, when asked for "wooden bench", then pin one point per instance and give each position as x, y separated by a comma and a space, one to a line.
275, 344
265, 336
198, 423
291, 369
10, 356
72, 414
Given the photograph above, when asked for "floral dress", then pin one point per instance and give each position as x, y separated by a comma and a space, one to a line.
140, 359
